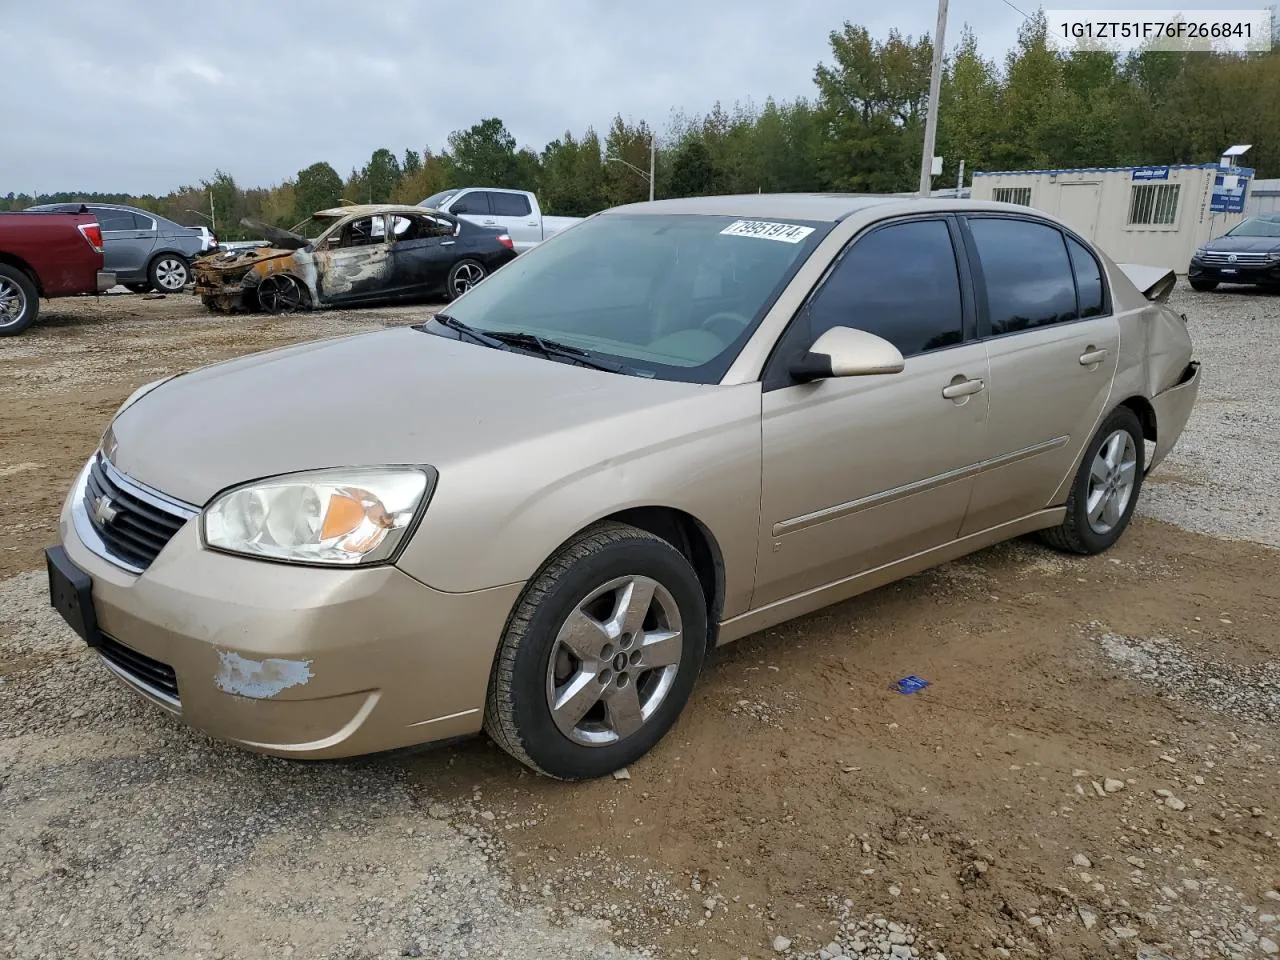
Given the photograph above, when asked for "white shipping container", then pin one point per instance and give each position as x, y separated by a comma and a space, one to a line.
1156, 215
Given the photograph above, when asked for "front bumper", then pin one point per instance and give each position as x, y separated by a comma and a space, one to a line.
106, 280
1267, 273
297, 661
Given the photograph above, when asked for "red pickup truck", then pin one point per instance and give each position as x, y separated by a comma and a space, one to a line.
47, 255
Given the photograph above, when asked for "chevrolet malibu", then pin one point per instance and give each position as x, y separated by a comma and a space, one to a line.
668, 427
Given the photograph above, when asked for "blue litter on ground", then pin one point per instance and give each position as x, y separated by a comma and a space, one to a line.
912, 684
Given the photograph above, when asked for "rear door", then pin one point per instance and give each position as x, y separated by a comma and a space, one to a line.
514, 214
1053, 346
423, 249
126, 245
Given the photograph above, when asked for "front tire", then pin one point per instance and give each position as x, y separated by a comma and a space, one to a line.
1105, 490
168, 273
1204, 286
19, 301
600, 655
464, 275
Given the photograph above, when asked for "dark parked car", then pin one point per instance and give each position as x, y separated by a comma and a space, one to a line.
1247, 253
363, 254
145, 251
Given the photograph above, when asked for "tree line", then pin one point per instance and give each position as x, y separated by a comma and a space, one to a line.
861, 131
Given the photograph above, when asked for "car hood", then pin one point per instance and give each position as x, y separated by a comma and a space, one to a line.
1244, 244
393, 397
242, 259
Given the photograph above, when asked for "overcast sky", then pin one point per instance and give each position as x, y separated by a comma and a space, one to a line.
142, 96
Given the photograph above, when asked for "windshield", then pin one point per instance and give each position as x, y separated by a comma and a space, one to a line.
1257, 227
669, 296
437, 198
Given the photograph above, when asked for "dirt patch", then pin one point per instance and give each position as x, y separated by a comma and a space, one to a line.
1071, 784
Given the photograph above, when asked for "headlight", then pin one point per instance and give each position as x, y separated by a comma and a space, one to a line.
342, 517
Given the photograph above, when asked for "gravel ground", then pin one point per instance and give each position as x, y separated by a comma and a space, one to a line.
1222, 476
1093, 772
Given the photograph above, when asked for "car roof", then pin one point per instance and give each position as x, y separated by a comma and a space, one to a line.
828, 207
371, 210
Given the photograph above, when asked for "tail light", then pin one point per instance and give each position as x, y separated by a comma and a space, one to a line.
505, 240
93, 234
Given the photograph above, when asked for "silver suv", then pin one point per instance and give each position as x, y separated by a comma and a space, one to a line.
145, 251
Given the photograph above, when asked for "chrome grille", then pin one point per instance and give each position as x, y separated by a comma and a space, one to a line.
1239, 259
131, 522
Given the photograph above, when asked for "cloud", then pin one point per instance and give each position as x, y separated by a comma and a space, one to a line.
115, 97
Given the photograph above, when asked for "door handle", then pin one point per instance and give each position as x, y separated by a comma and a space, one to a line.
963, 388
490, 222
532, 223
1092, 356
447, 243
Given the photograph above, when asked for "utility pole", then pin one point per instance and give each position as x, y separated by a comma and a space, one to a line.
653, 161
960, 180
931, 115
213, 214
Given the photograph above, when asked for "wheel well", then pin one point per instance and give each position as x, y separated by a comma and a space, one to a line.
1146, 416
19, 264
684, 532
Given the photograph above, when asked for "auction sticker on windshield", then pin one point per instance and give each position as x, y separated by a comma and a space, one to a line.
766, 230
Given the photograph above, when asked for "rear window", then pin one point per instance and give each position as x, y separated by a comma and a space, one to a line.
510, 205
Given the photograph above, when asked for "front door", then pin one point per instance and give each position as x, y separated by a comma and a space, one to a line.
859, 472
354, 262
1053, 346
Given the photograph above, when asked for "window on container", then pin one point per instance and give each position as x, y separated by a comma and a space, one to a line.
1019, 195
1153, 204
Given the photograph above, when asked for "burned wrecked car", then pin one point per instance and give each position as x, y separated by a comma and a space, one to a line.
361, 254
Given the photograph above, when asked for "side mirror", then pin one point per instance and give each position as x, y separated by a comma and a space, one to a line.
846, 352
459, 207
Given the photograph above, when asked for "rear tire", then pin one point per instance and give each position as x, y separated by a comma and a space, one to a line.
599, 656
464, 275
1106, 487
19, 301
168, 273
1204, 286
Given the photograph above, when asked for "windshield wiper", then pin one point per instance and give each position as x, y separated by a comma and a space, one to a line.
460, 328
553, 348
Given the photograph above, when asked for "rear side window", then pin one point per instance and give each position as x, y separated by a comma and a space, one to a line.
1089, 294
899, 282
475, 202
1027, 273
510, 205
114, 219
141, 222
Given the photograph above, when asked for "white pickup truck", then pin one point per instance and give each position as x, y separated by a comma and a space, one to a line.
514, 211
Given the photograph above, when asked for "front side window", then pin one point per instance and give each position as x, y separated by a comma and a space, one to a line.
361, 232
672, 296
418, 228
510, 205
475, 203
1153, 204
899, 282
1027, 274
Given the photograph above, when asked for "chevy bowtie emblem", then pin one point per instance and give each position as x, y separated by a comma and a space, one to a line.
104, 510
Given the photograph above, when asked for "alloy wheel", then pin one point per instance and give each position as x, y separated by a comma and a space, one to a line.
13, 302
171, 274
614, 661
279, 294
466, 276
1111, 481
